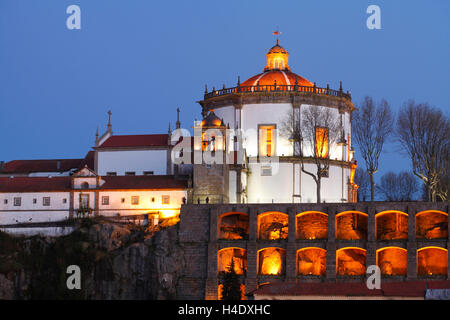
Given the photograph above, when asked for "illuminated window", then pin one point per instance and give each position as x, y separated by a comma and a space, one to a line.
266, 140
105, 200
165, 199
17, 202
46, 201
321, 142
135, 200
266, 170
84, 200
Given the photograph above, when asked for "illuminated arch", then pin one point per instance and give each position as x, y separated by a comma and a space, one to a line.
311, 261
391, 224
431, 224
226, 255
351, 261
233, 226
311, 225
392, 261
273, 225
272, 261
351, 225
432, 261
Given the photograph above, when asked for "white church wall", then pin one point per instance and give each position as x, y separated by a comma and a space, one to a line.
260, 114
42, 231
136, 161
120, 202
232, 186
227, 114
16, 217
276, 187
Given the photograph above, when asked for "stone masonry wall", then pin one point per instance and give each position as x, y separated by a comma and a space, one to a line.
199, 235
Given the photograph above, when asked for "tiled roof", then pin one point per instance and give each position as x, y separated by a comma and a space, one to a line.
47, 165
135, 141
34, 184
388, 289
40, 184
51, 165
143, 182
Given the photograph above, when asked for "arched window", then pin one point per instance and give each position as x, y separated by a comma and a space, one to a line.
85, 185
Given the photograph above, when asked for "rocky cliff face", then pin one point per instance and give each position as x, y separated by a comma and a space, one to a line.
117, 261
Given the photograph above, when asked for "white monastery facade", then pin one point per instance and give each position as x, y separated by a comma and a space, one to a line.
258, 128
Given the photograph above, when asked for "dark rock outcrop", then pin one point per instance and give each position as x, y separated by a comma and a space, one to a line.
117, 261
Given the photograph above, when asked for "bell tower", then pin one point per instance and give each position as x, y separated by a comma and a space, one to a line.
211, 173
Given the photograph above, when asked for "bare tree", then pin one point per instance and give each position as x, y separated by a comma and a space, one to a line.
424, 133
314, 134
362, 179
372, 126
398, 187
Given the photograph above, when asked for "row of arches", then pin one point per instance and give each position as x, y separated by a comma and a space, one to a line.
350, 225
350, 261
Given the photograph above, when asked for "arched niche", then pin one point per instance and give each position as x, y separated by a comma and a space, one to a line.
392, 261
272, 261
236, 255
432, 261
273, 225
311, 225
431, 224
391, 225
311, 261
233, 226
351, 225
351, 261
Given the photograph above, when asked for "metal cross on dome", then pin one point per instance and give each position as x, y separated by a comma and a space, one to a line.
276, 33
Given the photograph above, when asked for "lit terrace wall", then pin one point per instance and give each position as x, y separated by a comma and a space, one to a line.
311, 261
391, 225
312, 225
392, 261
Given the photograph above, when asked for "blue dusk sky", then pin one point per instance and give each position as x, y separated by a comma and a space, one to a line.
142, 59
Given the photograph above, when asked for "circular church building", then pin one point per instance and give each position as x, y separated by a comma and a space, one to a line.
295, 138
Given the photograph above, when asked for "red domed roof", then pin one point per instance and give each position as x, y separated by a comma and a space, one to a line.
282, 78
277, 69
